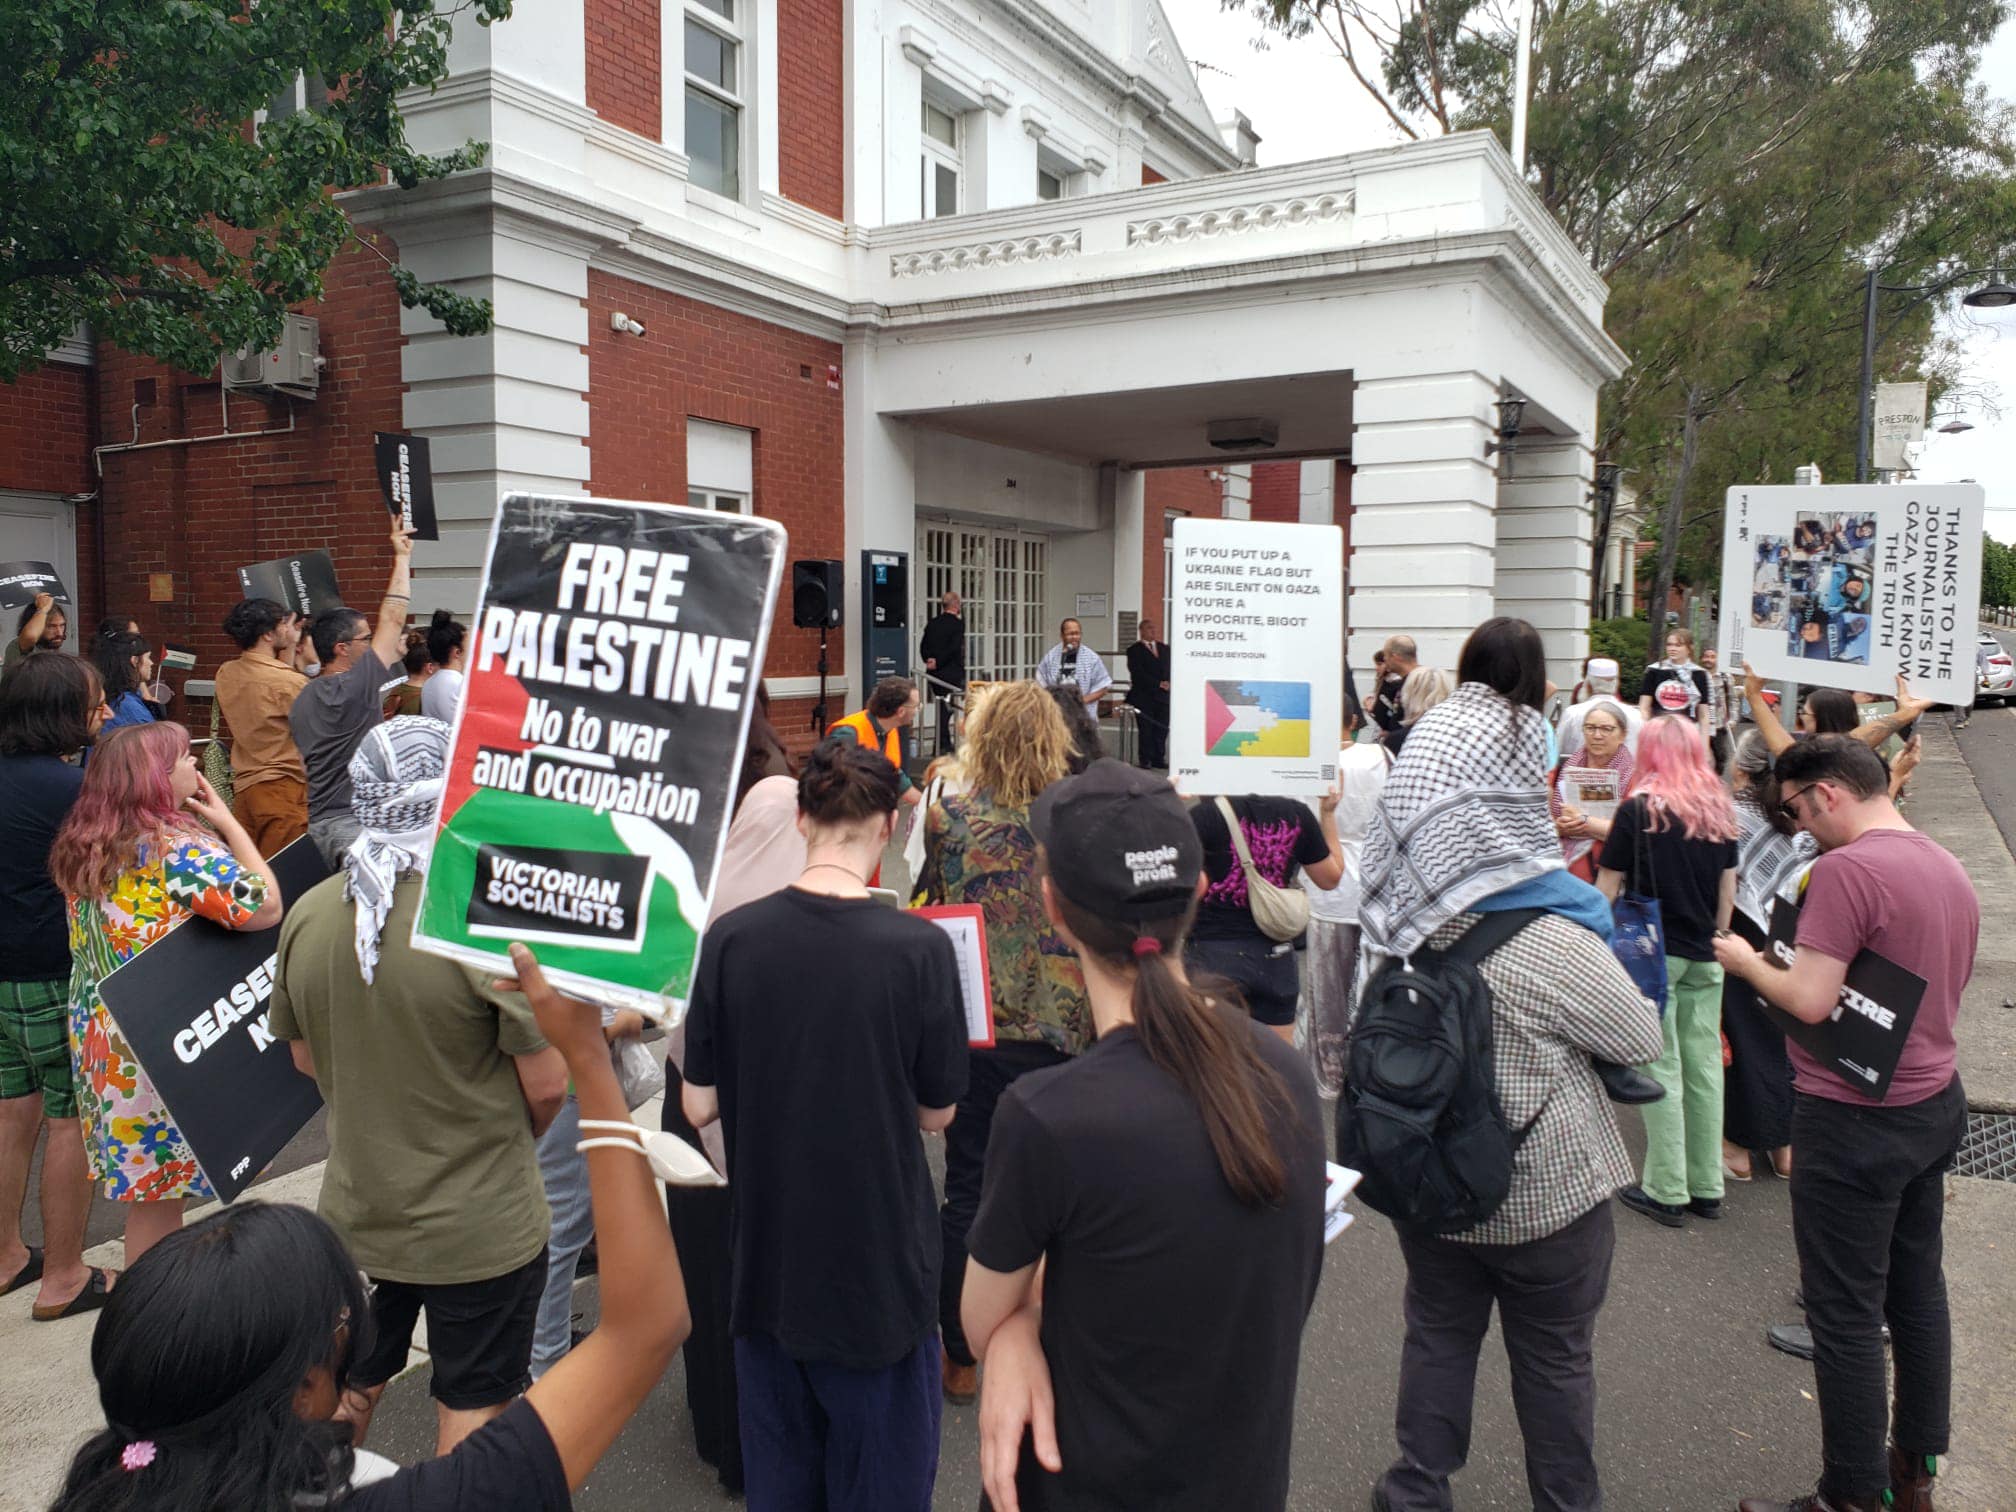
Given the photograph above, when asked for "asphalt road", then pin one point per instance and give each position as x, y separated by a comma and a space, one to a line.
1989, 744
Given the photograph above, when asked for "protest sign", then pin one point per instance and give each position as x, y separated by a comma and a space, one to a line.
193, 1008
611, 673
1256, 636
1848, 585
965, 924
304, 584
406, 478
1860, 1042
22, 582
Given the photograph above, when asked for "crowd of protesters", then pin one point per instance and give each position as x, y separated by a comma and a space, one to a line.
1184, 992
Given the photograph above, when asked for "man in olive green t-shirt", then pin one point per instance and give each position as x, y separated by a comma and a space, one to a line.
437, 1085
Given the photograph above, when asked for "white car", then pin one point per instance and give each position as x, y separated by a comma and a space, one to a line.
1994, 671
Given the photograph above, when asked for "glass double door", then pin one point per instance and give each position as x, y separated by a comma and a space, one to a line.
998, 574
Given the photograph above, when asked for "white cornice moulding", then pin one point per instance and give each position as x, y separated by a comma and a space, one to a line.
917, 47
1035, 122
996, 96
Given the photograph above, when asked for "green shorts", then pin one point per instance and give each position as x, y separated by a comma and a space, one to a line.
35, 1045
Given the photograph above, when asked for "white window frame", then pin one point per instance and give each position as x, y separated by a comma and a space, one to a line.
735, 33
935, 154
720, 500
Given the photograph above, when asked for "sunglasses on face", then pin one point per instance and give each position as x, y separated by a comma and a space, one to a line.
1789, 807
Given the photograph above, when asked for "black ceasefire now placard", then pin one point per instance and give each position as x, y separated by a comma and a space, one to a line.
406, 478
1863, 1039
21, 583
304, 584
193, 1008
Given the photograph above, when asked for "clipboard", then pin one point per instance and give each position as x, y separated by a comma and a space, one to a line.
966, 925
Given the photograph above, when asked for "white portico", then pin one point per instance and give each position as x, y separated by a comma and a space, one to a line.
1370, 308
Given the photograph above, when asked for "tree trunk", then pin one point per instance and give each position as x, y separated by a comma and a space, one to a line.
1670, 514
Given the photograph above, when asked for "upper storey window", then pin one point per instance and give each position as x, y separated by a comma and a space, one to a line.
714, 95
943, 167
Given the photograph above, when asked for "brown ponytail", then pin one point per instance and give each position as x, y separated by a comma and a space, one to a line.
1202, 1040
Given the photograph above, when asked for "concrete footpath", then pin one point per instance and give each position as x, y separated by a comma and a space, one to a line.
1693, 1410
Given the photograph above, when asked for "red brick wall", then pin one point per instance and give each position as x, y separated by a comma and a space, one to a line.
718, 365
45, 435
623, 65
198, 513
811, 122
1193, 491
1277, 491
1150, 176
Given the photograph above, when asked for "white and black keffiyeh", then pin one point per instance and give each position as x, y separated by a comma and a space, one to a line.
395, 780
1766, 861
1463, 815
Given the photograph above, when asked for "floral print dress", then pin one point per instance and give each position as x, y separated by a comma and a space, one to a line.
134, 1147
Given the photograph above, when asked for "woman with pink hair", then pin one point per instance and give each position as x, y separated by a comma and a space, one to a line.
148, 843
1674, 840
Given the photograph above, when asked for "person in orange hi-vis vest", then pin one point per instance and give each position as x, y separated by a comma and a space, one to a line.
892, 708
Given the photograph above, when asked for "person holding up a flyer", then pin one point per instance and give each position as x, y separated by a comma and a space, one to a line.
835, 1284
1587, 787
1869, 1202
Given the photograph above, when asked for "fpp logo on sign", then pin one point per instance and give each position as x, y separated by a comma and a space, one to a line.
560, 897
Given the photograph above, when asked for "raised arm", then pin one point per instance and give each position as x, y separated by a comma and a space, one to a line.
388, 633
591, 1392
1776, 738
31, 631
1875, 731
214, 811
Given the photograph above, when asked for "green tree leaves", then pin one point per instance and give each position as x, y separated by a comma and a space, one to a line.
140, 199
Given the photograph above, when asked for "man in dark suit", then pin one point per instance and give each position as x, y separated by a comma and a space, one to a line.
1148, 691
944, 651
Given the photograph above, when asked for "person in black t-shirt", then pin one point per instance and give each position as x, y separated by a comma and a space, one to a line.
1284, 838
242, 1405
52, 706
1677, 685
1396, 659
1674, 839
835, 1242
1169, 1180
943, 649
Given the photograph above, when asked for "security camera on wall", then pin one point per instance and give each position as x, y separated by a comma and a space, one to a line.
623, 325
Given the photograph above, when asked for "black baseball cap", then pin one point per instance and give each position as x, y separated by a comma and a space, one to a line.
1120, 842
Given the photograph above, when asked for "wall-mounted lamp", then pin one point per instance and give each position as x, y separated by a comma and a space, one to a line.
623, 325
1511, 410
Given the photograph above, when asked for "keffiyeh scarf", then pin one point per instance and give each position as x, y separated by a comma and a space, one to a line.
1463, 815
395, 780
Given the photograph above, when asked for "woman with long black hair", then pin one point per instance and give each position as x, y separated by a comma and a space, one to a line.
1168, 1180
222, 1353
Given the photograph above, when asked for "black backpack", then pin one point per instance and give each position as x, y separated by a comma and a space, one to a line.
1419, 1116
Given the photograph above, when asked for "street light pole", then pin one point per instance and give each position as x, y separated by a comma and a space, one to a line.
1994, 295
1864, 395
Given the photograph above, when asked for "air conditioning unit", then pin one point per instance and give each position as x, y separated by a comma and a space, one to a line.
293, 367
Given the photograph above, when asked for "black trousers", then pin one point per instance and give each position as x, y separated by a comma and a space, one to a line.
989, 1074
1548, 1292
699, 1219
1153, 725
944, 701
1757, 1089
1868, 1210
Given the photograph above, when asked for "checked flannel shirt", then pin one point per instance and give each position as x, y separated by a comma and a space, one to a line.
1558, 998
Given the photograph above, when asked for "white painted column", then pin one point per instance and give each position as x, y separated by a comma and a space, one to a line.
1317, 494
1422, 528
879, 472
1128, 489
505, 411
1236, 495
1546, 526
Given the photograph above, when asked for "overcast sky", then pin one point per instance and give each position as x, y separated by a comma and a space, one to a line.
1305, 104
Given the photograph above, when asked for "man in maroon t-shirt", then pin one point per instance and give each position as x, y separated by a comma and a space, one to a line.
1868, 1193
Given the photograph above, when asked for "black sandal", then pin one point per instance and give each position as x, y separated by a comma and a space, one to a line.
28, 1275
93, 1297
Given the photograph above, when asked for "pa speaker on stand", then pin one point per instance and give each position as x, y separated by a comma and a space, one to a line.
818, 591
